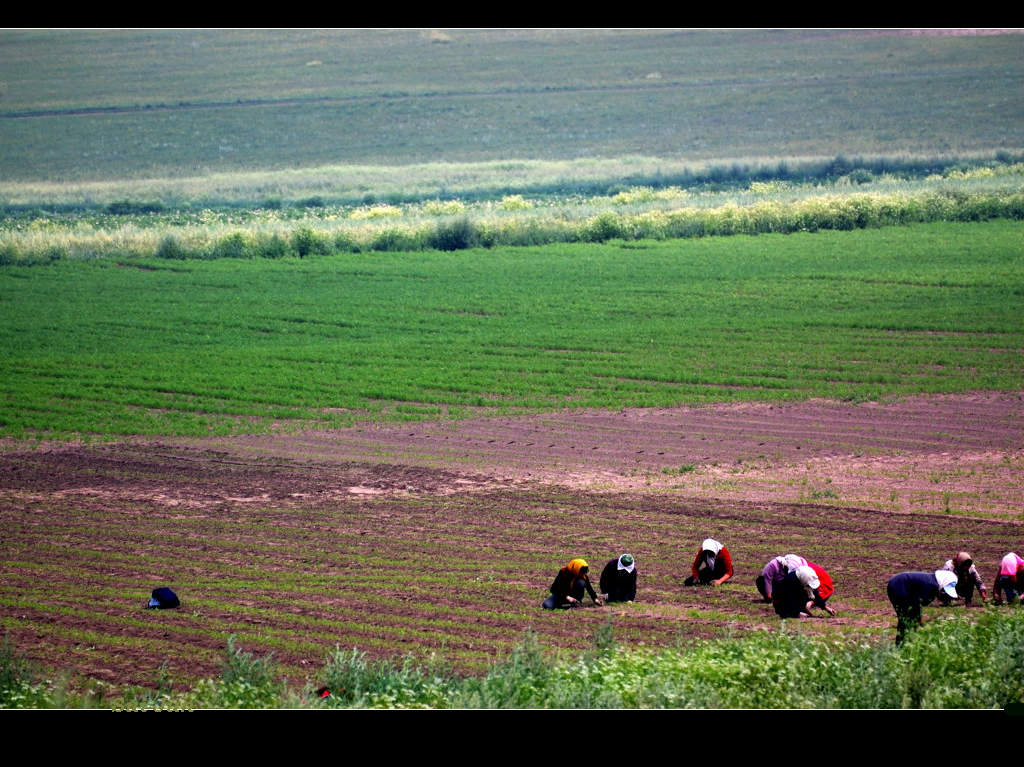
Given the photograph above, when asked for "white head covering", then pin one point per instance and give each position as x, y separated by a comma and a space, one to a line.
630, 567
792, 562
807, 577
710, 544
947, 582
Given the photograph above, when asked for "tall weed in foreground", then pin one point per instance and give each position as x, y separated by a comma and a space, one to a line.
952, 663
246, 682
18, 687
353, 681
972, 660
520, 681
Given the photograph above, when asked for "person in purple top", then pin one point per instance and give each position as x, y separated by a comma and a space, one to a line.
909, 592
776, 570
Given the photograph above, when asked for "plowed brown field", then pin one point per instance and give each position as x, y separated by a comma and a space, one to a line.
444, 536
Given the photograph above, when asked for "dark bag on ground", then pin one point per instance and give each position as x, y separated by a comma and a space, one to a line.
163, 599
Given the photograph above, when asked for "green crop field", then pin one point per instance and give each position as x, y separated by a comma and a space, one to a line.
187, 347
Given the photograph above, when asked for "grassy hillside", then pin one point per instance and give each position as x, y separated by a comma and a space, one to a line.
129, 104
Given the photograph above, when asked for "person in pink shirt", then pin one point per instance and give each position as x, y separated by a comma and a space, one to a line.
1010, 580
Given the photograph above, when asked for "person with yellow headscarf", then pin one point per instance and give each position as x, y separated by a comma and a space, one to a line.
567, 590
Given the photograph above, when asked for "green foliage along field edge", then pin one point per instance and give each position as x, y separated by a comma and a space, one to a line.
386, 228
956, 661
307, 189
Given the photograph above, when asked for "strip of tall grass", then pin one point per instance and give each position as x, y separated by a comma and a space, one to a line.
637, 213
352, 184
955, 661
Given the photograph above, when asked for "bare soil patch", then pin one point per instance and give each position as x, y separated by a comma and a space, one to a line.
443, 537
951, 453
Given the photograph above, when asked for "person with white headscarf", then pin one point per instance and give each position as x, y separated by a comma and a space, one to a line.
803, 589
776, 570
712, 566
909, 592
618, 580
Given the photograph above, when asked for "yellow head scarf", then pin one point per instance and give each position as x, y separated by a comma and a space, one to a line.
575, 566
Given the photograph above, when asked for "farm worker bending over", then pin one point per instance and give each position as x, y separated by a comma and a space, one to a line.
962, 566
909, 592
1010, 580
801, 590
712, 565
825, 588
567, 590
776, 570
618, 580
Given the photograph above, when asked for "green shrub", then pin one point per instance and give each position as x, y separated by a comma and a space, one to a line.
9, 254
376, 212
170, 247
444, 207
241, 666
973, 660
54, 253
398, 240
345, 243
955, 663
233, 246
520, 681
306, 242
454, 235
634, 195
133, 208
860, 176
603, 227
274, 246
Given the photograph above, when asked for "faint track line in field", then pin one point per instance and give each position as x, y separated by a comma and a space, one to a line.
540, 90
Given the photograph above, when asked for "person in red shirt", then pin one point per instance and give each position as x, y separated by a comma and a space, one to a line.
825, 589
712, 566
801, 590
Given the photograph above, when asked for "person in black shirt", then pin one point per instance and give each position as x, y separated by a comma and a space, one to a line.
567, 589
618, 580
909, 592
